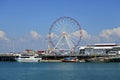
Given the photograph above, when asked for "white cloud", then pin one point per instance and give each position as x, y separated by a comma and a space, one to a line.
76, 33
3, 36
88, 38
35, 35
85, 35
109, 33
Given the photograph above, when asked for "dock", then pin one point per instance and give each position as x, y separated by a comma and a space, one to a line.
57, 58
8, 57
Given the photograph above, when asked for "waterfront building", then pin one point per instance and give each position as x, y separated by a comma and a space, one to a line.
100, 49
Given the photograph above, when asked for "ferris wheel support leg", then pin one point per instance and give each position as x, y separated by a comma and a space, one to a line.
69, 42
58, 42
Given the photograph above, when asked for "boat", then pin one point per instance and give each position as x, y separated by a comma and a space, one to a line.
70, 59
28, 58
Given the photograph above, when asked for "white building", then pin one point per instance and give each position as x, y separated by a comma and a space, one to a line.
102, 49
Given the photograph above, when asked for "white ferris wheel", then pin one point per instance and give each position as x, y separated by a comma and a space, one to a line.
64, 34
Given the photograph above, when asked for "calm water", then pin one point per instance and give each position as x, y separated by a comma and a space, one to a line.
59, 71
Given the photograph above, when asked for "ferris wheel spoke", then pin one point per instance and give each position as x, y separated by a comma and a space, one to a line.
74, 40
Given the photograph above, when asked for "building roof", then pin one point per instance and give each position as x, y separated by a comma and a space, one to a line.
106, 44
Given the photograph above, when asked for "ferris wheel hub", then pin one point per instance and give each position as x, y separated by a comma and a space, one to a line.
64, 34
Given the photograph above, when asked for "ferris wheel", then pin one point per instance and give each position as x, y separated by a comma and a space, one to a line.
65, 34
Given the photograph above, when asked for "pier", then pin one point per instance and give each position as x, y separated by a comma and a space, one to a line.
57, 58
8, 57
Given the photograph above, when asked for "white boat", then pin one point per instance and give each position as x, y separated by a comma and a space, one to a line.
28, 58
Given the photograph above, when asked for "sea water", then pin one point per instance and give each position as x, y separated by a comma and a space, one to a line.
59, 71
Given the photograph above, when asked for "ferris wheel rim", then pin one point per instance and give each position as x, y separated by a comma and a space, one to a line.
65, 17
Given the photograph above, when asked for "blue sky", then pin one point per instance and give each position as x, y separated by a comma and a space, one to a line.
26, 22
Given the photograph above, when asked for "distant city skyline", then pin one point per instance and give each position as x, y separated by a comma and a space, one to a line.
24, 24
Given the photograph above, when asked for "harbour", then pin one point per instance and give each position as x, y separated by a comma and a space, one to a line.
59, 40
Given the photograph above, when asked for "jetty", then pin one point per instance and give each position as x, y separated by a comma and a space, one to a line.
8, 57
57, 58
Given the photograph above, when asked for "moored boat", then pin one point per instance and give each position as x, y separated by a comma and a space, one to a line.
70, 59
28, 58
